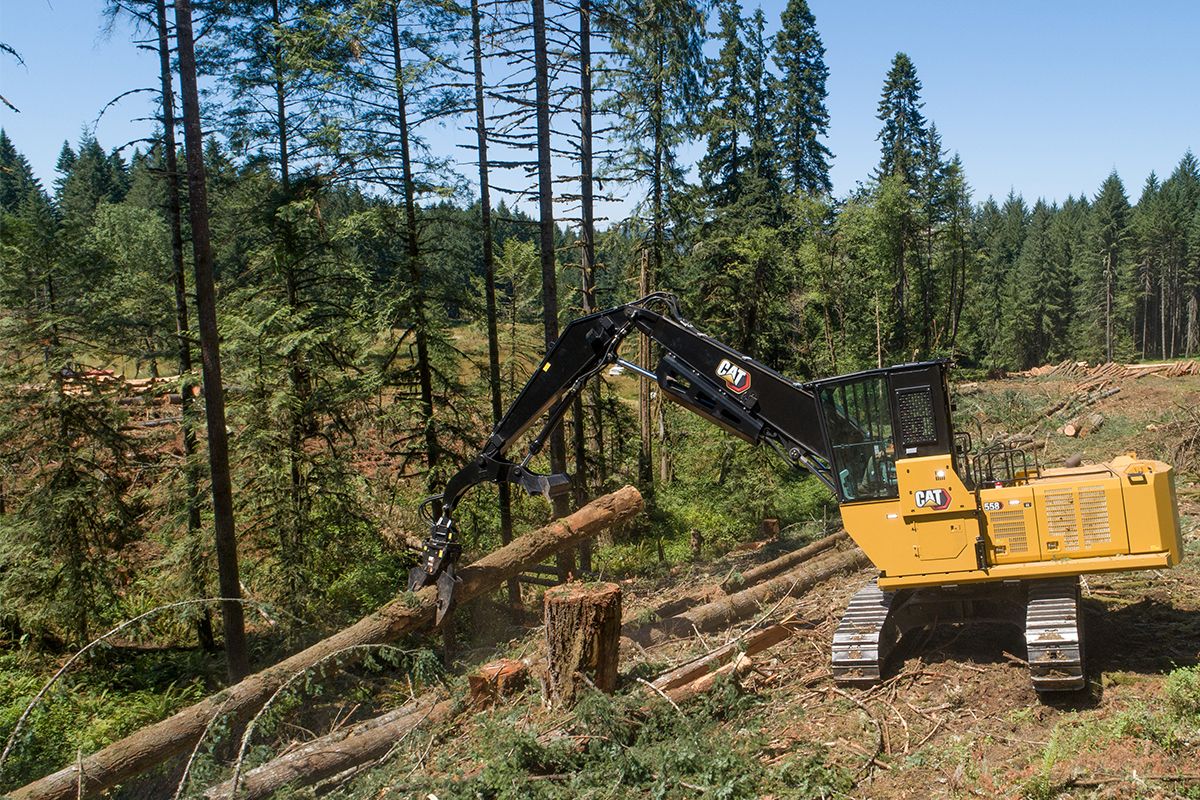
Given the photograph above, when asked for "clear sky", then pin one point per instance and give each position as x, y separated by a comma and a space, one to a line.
1042, 97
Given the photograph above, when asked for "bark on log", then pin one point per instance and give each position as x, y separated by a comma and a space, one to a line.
155, 743
725, 611
709, 662
785, 562
583, 631
333, 754
739, 666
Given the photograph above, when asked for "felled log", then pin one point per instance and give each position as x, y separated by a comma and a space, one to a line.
771, 568
1083, 425
335, 753
725, 611
710, 662
739, 666
583, 632
150, 746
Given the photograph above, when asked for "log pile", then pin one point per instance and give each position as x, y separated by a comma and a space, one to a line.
1082, 425
1112, 370
349, 748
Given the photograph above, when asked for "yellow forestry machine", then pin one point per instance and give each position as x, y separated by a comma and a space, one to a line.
955, 536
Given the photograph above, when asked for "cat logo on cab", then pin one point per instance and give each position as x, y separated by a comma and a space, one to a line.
933, 499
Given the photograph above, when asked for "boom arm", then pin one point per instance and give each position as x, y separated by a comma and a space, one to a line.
716, 382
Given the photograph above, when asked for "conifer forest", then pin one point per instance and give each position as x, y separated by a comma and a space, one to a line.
238, 353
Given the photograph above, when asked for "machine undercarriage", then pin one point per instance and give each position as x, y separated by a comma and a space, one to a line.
1047, 611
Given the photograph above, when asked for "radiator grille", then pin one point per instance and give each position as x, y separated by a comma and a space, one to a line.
1070, 513
1008, 528
1093, 512
1060, 517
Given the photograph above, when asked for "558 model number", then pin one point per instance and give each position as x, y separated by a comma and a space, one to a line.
992, 506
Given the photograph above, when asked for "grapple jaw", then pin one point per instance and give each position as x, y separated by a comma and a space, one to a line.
437, 565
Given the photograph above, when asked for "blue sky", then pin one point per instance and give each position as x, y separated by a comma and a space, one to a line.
1042, 97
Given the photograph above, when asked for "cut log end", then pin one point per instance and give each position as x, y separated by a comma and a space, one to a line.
583, 630
497, 680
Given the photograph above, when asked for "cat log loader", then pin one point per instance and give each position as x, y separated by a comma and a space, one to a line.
955, 536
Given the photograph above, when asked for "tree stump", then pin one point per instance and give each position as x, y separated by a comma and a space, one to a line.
583, 631
496, 680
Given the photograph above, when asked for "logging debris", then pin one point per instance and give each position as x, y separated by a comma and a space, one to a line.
154, 744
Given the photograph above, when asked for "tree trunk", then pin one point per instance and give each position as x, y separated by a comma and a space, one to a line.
150, 746
332, 755
583, 631
489, 270
204, 629
646, 454
787, 561
558, 446
588, 230
291, 535
698, 668
728, 610
416, 278
237, 659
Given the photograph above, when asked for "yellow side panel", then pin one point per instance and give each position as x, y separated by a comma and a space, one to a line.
929, 485
1083, 518
1010, 525
943, 540
899, 546
1151, 509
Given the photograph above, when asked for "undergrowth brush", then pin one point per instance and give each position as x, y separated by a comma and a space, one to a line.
625, 746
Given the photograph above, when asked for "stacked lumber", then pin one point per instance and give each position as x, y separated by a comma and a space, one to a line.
1112, 370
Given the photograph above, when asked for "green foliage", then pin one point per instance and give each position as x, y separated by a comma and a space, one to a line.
90, 709
615, 741
804, 120
1182, 694
903, 135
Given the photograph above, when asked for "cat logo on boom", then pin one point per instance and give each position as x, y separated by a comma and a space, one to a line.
935, 499
734, 376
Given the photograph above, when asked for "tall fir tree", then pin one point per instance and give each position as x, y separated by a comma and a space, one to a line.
1036, 304
800, 93
903, 135
726, 120
1104, 276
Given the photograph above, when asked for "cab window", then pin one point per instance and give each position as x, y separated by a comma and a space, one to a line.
858, 422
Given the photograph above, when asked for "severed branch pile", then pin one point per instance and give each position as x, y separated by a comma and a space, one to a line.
154, 744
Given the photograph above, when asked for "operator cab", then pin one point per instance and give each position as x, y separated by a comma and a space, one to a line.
872, 418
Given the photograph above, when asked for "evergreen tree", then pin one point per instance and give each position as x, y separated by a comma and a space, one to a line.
727, 118
934, 207
1037, 306
764, 187
800, 91
16, 176
1106, 276
655, 99
1151, 244
1002, 231
903, 135
959, 254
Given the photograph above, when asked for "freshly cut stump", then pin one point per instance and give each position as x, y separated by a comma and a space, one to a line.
583, 631
496, 680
